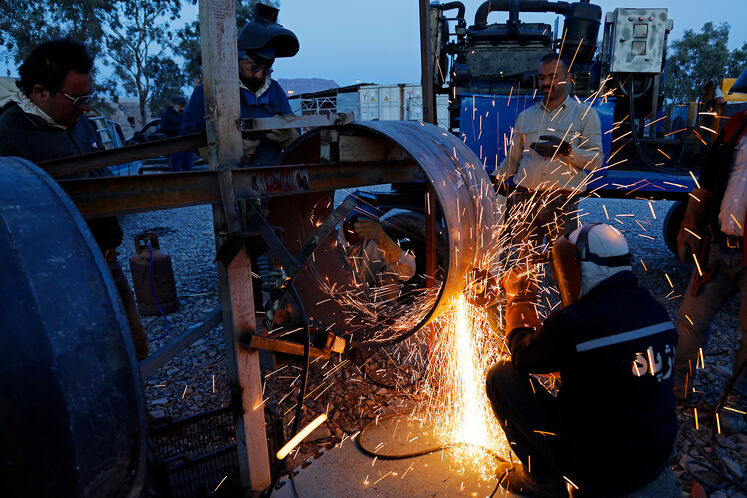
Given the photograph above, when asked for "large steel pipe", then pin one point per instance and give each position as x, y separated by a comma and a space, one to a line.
72, 415
467, 213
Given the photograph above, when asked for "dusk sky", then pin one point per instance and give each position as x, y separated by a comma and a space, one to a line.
378, 41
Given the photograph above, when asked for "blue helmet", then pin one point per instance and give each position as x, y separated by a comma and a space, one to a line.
263, 39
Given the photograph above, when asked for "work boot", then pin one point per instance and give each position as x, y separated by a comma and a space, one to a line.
514, 479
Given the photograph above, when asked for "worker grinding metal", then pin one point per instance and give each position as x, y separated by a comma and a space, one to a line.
259, 43
375, 259
611, 428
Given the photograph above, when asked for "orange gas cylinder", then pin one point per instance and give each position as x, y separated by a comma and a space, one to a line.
152, 276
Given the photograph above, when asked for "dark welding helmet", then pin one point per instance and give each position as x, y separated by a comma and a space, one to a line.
263, 39
740, 86
365, 207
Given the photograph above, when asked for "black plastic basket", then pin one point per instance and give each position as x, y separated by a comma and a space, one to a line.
196, 457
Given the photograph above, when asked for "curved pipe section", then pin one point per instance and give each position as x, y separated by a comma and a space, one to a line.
452, 5
468, 213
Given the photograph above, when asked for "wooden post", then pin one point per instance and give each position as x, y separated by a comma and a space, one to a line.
429, 116
222, 109
426, 63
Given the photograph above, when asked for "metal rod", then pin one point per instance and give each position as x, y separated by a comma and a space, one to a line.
72, 165
112, 196
68, 166
158, 359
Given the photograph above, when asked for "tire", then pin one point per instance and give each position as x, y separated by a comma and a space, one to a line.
672, 224
72, 413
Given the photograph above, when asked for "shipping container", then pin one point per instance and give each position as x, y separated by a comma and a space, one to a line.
403, 102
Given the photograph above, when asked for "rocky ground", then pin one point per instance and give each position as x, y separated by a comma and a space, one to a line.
345, 386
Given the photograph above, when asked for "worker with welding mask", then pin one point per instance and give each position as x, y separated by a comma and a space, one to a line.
260, 42
610, 427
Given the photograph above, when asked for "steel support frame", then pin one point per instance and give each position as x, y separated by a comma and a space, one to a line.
112, 196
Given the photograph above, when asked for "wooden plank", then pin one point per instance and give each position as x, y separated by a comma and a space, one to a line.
220, 67
287, 347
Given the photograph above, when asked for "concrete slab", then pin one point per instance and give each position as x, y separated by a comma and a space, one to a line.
346, 471
351, 470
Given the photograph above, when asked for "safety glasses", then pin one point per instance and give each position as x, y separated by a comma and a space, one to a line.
81, 100
256, 66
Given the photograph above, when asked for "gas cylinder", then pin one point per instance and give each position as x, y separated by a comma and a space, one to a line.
152, 276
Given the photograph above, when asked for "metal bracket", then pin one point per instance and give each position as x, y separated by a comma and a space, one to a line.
180, 343
292, 264
255, 125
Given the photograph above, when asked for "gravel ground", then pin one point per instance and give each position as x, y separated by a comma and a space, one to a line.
196, 379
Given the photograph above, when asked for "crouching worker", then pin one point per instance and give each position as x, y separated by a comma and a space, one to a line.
376, 260
612, 426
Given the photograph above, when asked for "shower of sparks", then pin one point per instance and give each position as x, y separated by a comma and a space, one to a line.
449, 360
454, 387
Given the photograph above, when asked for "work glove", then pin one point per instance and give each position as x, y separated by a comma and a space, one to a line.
203, 153
521, 296
248, 147
550, 145
284, 137
693, 227
370, 229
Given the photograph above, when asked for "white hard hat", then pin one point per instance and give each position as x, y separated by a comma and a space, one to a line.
603, 252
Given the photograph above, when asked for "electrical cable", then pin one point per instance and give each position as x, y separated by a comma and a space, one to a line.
411, 454
302, 390
631, 118
153, 291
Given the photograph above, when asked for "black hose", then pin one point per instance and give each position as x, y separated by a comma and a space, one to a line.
301, 393
641, 153
411, 454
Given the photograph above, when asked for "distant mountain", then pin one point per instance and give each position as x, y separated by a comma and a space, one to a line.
306, 85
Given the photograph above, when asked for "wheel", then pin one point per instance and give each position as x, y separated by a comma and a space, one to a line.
72, 414
672, 224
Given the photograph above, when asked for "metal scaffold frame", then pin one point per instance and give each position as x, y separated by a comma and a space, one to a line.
356, 161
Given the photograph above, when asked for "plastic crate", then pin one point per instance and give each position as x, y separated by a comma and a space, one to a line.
196, 457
